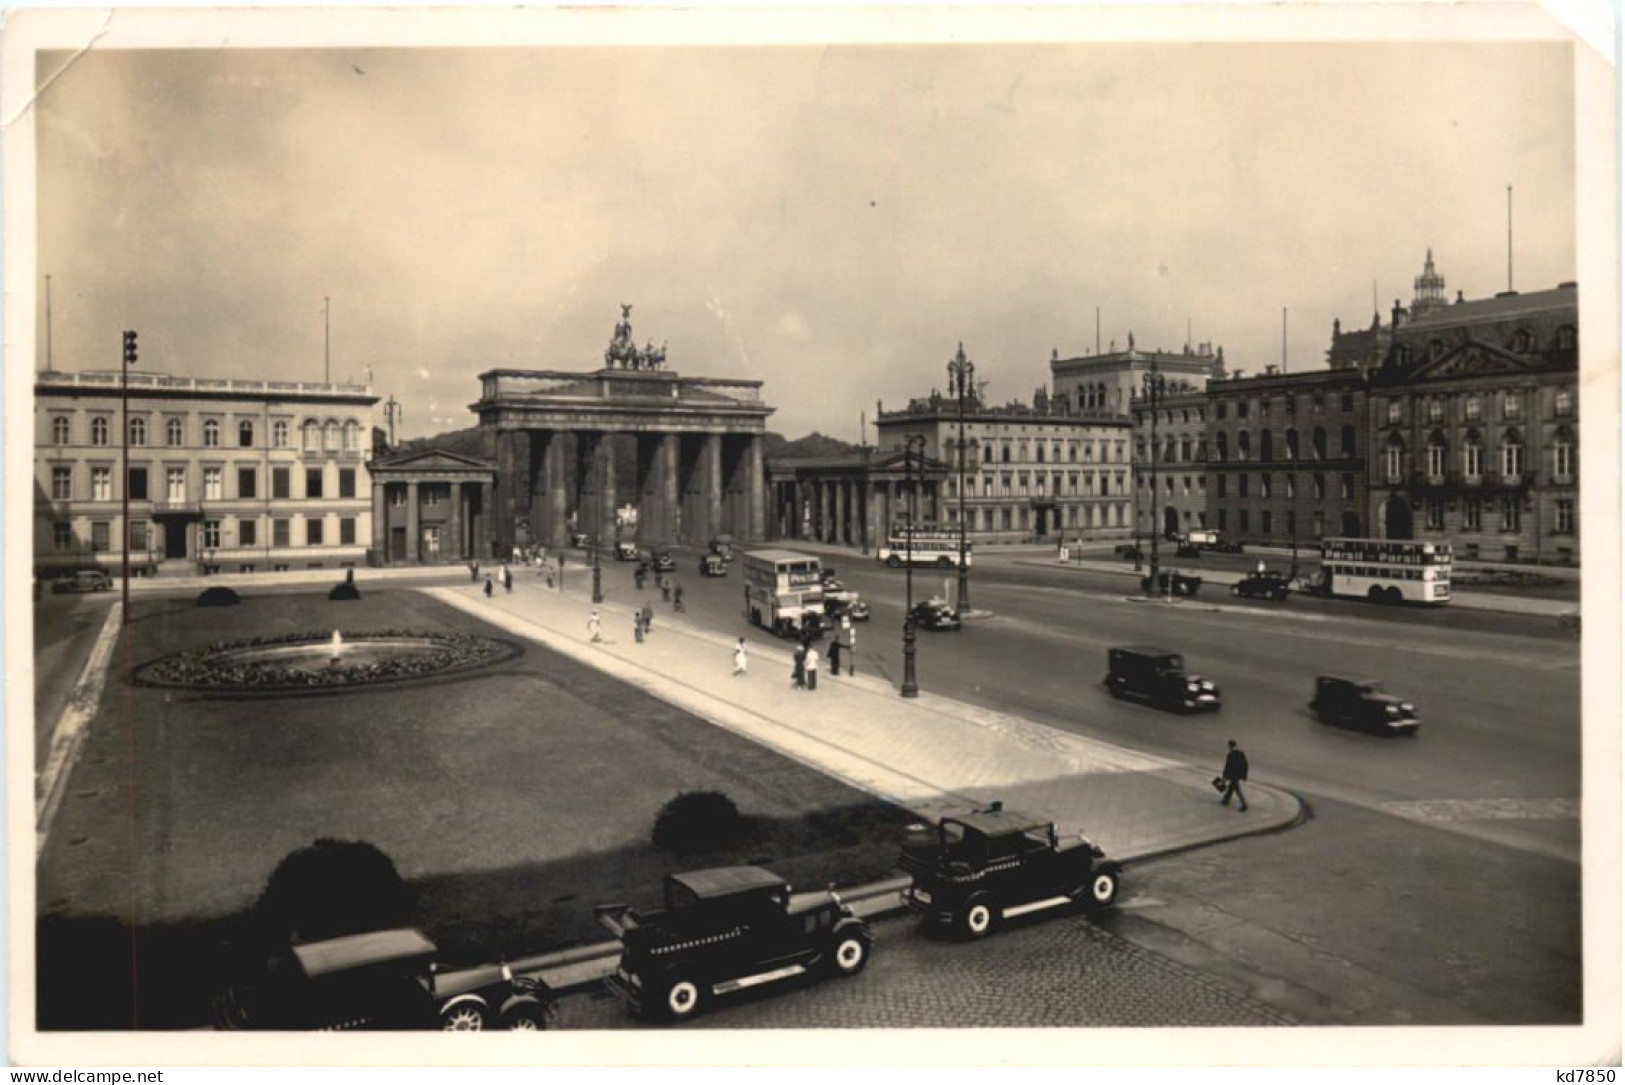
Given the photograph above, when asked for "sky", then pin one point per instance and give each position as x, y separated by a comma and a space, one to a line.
831, 221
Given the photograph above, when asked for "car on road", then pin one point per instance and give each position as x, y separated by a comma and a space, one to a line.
1172, 582
625, 551
378, 980
713, 565
936, 615
971, 872
1129, 551
664, 562
1363, 704
725, 930
580, 540
854, 608
722, 546
85, 580
1266, 585
1157, 676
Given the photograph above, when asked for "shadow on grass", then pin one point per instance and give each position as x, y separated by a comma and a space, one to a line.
97, 972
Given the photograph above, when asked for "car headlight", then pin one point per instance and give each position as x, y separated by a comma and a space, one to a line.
1193, 686
1406, 706
1209, 686
1393, 710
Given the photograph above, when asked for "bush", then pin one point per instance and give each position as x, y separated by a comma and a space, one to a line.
218, 597
329, 889
698, 821
344, 592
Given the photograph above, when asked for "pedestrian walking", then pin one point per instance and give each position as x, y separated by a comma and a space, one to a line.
812, 669
798, 675
740, 661
595, 627
1260, 566
835, 658
648, 618
1235, 772
637, 628
637, 578
507, 580
677, 598
665, 589
488, 588
473, 572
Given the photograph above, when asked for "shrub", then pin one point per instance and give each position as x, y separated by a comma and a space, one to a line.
344, 592
218, 597
329, 889
698, 821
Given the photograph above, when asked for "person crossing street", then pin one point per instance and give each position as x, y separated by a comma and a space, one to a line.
1235, 772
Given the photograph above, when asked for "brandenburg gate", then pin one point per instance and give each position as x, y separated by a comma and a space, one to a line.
555, 436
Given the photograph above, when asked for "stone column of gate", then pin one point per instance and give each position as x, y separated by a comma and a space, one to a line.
539, 481
510, 483
755, 488
451, 543
482, 525
556, 470
413, 553
605, 475
380, 527
668, 457
711, 488
842, 536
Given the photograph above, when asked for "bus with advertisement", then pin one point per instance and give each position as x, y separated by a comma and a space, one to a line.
932, 545
784, 591
1386, 570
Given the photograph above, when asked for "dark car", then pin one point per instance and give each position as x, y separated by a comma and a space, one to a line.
724, 930
380, 980
972, 872
579, 540
854, 608
713, 565
1172, 582
85, 580
1265, 585
1188, 550
723, 547
1129, 551
936, 615
1158, 676
625, 551
1362, 703
664, 562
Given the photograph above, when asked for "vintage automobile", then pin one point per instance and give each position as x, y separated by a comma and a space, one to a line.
973, 871
722, 546
1172, 582
713, 565
854, 608
1363, 704
664, 562
1265, 585
828, 580
626, 551
580, 540
1157, 676
1129, 551
936, 615
1187, 550
725, 930
85, 580
378, 980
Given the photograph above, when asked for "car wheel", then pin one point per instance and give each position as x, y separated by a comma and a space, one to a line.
463, 1017
851, 954
1103, 889
527, 1017
683, 998
977, 918
894, 562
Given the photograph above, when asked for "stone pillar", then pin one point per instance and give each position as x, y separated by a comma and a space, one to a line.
874, 499
604, 478
711, 485
536, 477
509, 485
482, 528
451, 543
556, 469
380, 522
413, 531
842, 534
669, 453
756, 488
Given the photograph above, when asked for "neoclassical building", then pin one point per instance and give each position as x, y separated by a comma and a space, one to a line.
1108, 383
226, 475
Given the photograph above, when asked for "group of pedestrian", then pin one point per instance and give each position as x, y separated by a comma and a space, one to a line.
804, 674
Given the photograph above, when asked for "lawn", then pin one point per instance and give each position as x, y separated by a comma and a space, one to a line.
512, 800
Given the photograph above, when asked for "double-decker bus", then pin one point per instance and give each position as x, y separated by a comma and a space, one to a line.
1386, 570
933, 545
784, 591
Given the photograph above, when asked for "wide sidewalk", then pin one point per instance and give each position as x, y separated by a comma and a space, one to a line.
928, 755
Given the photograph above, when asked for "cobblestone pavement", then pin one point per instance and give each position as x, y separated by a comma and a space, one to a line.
1060, 971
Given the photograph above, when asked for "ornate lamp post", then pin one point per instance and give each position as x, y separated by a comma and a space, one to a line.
961, 378
1156, 386
911, 685
130, 352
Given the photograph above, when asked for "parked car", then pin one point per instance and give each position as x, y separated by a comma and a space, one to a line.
971, 872
1157, 676
664, 562
854, 608
1171, 582
1362, 703
1200, 537
378, 980
713, 565
1224, 546
1129, 551
936, 615
827, 578
1187, 550
85, 580
1265, 585
724, 930
625, 551
580, 540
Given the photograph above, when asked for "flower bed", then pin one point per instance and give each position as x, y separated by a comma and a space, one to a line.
217, 668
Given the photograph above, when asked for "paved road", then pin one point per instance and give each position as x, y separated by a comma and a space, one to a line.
65, 629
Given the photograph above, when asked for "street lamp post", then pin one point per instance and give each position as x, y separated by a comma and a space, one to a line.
961, 378
1155, 386
911, 685
124, 485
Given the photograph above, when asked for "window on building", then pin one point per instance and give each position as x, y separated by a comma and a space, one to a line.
313, 531
1318, 522
211, 433
1438, 455
313, 482
1511, 456
245, 433
101, 536
279, 532
248, 482
138, 484
59, 430
98, 430
280, 483
1241, 521
1564, 402
1565, 516
174, 432
61, 483
1345, 402
211, 534
1350, 443
1220, 491
214, 484
399, 498
1472, 460
1563, 460
1435, 519
1223, 525
1266, 447
1511, 405
1318, 442
1393, 461
279, 434
347, 482
138, 432
330, 436
1241, 408
1348, 487
1263, 486
1004, 450
1005, 519
1241, 485
1320, 487
1264, 521
247, 532
352, 436
1511, 513
1393, 412
175, 484
1221, 447
1039, 448
1435, 410
62, 536
1317, 402
101, 484
347, 530
311, 436
1472, 408
1291, 517
1472, 514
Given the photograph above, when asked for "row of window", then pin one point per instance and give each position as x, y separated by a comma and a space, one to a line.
1348, 445
1317, 405
1266, 525
1511, 514
1472, 460
314, 437
1020, 517
1003, 452
1472, 407
214, 483
1008, 483
1168, 483
211, 538
1289, 486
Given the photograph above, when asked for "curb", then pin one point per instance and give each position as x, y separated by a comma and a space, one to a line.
67, 737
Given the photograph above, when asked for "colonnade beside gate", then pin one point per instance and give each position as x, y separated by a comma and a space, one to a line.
688, 486
860, 512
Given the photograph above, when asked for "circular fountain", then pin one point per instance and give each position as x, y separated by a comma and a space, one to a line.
307, 662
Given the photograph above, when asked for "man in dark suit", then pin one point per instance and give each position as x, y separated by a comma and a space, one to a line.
1235, 771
